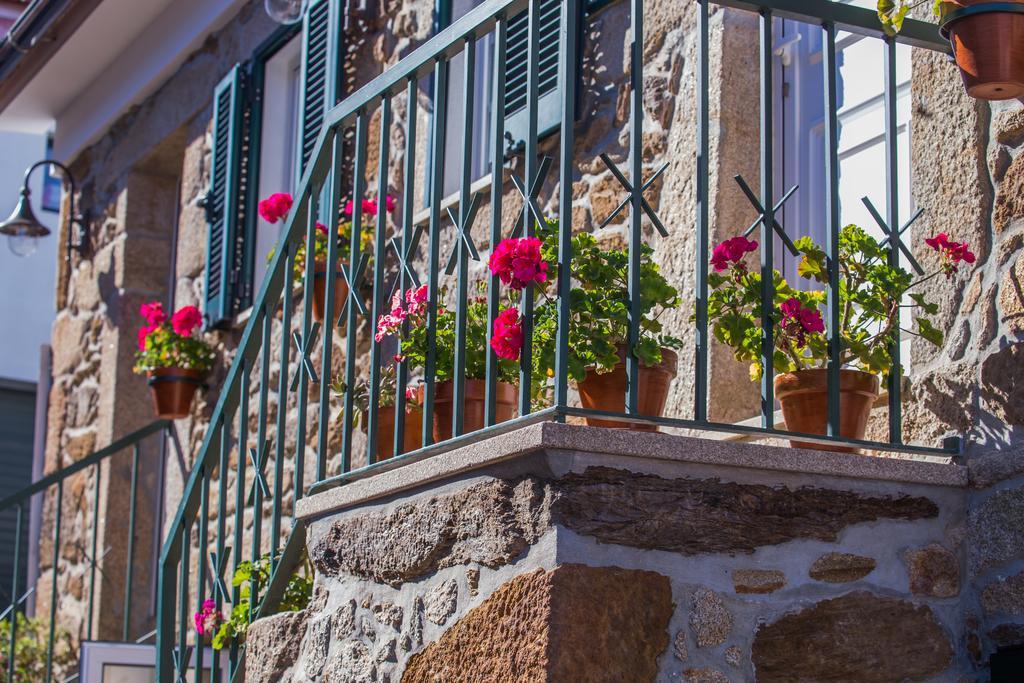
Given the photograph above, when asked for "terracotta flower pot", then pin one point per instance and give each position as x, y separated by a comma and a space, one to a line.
320, 289
506, 402
804, 399
173, 390
608, 391
412, 437
989, 47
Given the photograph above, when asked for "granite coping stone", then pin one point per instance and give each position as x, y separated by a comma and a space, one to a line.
407, 473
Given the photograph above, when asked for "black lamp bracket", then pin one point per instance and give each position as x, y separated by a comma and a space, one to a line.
78, 232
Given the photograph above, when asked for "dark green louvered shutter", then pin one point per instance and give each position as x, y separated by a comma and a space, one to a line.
225, 200
549, 111
321, 72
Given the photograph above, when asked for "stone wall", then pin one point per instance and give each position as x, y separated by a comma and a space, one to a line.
601, 556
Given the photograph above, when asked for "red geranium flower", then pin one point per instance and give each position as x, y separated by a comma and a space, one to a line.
186, 320
507, 340
952, 252
153, 312
275, 207
518, 262
798, 321
731, 251
143, 336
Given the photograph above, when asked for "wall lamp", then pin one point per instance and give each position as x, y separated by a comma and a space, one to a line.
23, 229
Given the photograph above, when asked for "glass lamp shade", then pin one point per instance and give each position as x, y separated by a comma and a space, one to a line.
285, 11
23, 229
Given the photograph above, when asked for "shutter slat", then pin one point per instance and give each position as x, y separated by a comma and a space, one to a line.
318, 73
225, 199
517, 62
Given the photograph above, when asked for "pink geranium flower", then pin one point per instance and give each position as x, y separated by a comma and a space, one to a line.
186, 320
731, 251
275, 207
518, 262
507, 340
208, 618
143, 336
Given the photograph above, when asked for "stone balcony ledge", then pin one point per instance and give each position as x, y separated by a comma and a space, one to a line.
563, 441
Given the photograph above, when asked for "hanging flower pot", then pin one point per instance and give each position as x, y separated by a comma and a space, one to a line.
412, 435
473, 407
173, 390
607, 391
320, 290
173, 357
804, 398
988, 43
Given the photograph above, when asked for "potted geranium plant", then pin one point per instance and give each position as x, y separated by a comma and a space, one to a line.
173, 356
599, 326
251, 578
987, 39
386, 413
414, 339
275, 209
872, 295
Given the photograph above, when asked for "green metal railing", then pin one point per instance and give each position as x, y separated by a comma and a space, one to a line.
282, 337
54, 488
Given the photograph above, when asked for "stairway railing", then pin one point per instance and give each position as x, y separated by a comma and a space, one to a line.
284, 352
82, 540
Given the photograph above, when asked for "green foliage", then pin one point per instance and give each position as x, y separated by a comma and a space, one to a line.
871, 294
599, 319
320, 245
252, 578
892, 13
415, 342
30, 647
167, 349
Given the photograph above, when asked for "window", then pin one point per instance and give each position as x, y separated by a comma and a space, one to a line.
278, 147
267, 116
515, 110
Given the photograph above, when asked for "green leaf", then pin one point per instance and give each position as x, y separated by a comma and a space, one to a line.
928, 308
929, 332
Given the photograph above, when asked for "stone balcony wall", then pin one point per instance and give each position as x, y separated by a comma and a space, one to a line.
560, 553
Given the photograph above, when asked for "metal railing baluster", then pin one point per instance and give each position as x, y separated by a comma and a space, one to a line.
829, 64
767, 222
463, 229
497, 202
183, 621
130, 555
93, 558
307, 343
333, 201
439, 125
636, 165
892, 192
281, 427
532, 167
703, 179
13, 631
58, 516
202, 549
355, 267
379, 304
404, 247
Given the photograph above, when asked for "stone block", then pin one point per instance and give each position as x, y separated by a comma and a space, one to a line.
1004, 596
934, 571
996, 530
709, 618
758, 581
571, 623
857, 637
272, 646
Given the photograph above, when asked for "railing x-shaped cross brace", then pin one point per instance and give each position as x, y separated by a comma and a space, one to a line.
405, 254
304, 351
218, 564
763, 214
530, 196
181, 662
893, 237
353, 278
464, 240
259, 479
645, 206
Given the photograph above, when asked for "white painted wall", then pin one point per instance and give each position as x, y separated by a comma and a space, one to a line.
27, 285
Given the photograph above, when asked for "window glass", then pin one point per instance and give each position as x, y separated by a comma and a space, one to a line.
279, 133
